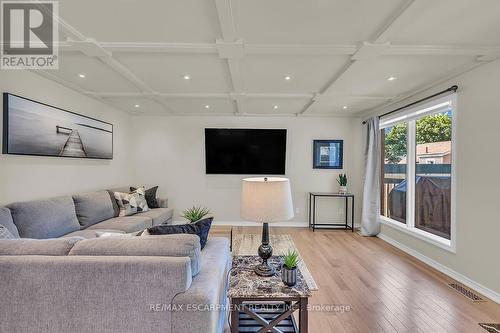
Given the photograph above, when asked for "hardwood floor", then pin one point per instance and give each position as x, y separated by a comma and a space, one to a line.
386, 289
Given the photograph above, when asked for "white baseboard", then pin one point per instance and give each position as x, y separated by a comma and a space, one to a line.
491, 294
255, 224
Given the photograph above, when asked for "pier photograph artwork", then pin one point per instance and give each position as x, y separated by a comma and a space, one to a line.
33, 128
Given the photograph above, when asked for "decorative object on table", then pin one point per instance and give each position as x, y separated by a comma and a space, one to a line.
289, 270
249, 295
195, 213
150, 195
131, 203
34, 128
342, 180
200, 228
266, 200
328, 154
247, 244
312, 210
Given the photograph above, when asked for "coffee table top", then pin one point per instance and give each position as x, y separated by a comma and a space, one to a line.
244, 283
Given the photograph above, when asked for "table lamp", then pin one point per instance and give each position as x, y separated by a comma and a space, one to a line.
266, 200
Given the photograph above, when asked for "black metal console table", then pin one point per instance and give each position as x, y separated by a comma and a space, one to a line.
312, 210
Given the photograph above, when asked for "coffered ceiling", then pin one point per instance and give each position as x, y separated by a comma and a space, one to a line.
268, 57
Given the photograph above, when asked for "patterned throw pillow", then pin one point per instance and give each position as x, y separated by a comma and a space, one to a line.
131, 203
150, 196
5, 233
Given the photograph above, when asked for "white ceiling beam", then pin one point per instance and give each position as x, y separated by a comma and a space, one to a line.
370, 51
222, 48
234, 96
394, 23
194, 48
230, 47
280, 49
443, 50
226, 20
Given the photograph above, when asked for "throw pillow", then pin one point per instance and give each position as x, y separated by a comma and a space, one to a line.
5, 233
131, 203
142, 203
200, 228
116, 208
150, 195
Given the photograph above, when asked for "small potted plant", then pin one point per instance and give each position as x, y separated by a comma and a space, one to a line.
342, 180
289, 270
195, 213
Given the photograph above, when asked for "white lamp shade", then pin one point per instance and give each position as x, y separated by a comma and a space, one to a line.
266, 199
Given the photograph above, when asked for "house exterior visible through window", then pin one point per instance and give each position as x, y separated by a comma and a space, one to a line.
417, 174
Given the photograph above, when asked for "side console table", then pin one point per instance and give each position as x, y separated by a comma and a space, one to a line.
312, 210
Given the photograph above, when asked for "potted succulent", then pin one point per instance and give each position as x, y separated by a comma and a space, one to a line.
289, 269
195, 213
342, 180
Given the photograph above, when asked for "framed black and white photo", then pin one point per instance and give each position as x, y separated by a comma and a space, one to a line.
34, 128
328, 154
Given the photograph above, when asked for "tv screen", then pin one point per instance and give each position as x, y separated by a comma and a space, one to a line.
245, 151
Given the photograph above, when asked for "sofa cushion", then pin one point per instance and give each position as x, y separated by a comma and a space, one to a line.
164, 246
90, 233
7, 222
125, 223
93, 207
158, 215
50, 218
42, 247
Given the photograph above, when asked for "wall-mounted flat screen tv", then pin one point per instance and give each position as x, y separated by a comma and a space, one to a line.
34, 128
245, 151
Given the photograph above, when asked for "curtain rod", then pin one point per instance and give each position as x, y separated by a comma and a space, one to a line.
452, 88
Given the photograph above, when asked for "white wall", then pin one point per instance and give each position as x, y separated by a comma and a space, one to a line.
170, 152
478, 181
31, 177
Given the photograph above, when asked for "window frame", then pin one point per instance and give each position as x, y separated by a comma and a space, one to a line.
410, 116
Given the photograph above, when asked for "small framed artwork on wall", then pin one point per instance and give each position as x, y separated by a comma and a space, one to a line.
328, 154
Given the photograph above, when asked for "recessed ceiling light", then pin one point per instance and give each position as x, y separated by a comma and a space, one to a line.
344, 107
287, 78
391, 78
81, 75
207, 106
137, 106
186, 77
275, 107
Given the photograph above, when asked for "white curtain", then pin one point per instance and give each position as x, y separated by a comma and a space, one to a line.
370, 217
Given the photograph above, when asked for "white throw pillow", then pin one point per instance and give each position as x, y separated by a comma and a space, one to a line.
5, 233
131, 203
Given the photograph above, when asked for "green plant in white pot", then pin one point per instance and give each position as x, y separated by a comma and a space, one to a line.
289, 270
342, 180
195, 213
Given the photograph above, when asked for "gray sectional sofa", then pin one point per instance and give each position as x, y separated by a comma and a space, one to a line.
58, 276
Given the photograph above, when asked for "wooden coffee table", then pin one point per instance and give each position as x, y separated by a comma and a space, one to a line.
265, 304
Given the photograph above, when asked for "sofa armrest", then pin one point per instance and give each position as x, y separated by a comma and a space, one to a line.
162, 202
59, 294
207, 296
